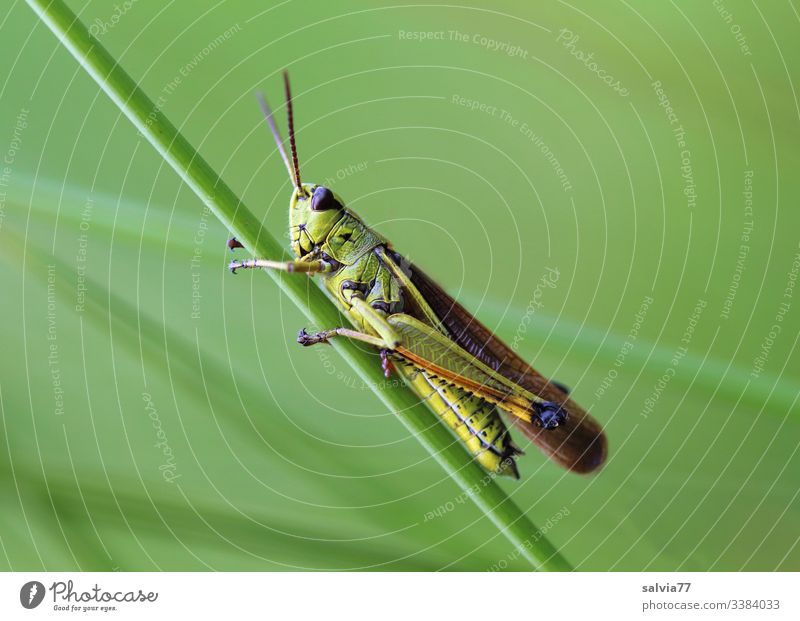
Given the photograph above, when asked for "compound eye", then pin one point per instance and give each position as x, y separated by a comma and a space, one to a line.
323, 199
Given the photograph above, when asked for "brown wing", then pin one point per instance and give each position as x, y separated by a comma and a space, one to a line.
579, 443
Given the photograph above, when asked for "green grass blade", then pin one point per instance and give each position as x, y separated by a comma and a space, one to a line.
222, 201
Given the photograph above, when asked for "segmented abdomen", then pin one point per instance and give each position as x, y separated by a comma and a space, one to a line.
476, 422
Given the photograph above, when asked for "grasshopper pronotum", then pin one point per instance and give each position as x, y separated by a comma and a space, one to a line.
456, 365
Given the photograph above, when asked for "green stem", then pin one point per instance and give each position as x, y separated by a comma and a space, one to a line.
201, 178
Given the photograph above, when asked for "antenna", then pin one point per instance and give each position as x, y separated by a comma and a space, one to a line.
276, 135
291, 130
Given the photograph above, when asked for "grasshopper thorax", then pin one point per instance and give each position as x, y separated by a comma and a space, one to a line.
313, 212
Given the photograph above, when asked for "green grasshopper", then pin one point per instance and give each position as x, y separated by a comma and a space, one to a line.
463, 372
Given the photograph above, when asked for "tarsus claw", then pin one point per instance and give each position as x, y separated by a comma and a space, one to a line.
550, 414
305, 339
386, 363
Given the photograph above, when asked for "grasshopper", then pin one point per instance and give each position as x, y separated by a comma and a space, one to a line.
465, 374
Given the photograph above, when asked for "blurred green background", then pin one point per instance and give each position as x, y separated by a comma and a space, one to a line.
156, 411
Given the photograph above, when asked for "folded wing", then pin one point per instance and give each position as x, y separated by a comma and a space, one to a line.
579, 443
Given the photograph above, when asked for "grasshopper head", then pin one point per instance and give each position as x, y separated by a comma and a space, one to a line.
313, 211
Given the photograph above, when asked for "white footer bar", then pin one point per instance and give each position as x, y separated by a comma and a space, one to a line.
401, 596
